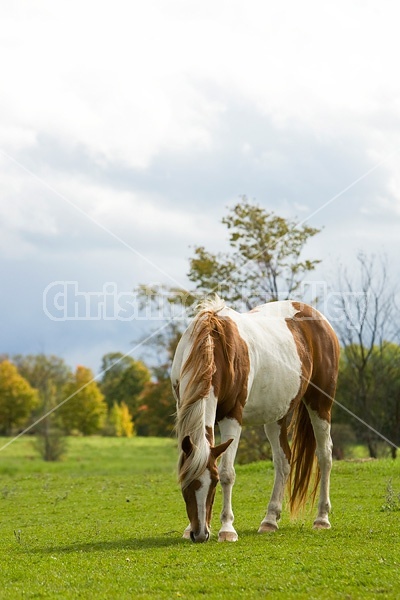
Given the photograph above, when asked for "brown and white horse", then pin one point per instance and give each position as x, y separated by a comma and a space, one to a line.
280, 358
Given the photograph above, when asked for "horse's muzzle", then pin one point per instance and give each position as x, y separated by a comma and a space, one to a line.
198, 538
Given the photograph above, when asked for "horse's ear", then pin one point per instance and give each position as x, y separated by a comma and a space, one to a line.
220, 449
187, 445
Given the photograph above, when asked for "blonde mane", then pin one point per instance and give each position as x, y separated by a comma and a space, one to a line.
211, 303
196, 381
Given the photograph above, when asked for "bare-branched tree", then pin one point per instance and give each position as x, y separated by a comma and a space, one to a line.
367, 325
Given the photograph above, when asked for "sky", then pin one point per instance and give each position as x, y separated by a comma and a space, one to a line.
128, 129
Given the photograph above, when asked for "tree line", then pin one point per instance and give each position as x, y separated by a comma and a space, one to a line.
32, 386
265, 263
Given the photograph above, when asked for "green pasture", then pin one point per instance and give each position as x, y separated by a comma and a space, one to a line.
107, 523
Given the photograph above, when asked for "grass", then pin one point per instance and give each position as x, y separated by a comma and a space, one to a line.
107, 523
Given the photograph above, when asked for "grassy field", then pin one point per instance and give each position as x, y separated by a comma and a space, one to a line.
107, 523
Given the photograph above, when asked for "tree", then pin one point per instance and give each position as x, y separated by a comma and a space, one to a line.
157, 409
119, 421
17, 398
157, 405
385, 363
124, 380
50, 440
265, 262
85, 410
365, 321
49, 375
380, 393
41, 370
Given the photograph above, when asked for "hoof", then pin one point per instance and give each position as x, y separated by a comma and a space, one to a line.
267, 528
320, 524
186, 535
227, 536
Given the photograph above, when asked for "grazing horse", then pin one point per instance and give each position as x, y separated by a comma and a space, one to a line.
279, 359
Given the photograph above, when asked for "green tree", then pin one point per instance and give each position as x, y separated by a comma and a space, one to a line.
42, 370
50, 442
124, 380
264, 263
372, 392
17, 398
46, 373
385, 365
265, 260
49, 375
84, 410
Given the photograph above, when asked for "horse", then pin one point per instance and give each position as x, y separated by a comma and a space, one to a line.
276, 365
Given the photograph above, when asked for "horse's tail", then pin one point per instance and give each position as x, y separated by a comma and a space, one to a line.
303, 460
196, 381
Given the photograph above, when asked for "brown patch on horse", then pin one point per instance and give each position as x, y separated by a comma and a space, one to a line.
232, 367
318, 350
189, 495
210, 435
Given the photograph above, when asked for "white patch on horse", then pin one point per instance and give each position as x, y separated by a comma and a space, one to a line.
201, 499
275, 366
211, 407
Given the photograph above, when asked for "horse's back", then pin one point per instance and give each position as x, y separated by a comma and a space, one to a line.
288, 342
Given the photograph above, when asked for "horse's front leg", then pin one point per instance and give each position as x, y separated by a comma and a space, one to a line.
277, 435
186, 533
230, 429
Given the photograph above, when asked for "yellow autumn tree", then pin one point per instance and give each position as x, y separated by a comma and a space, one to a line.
17, 398
85, 409
119, 422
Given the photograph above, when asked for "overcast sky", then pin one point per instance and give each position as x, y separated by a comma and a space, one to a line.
128, 128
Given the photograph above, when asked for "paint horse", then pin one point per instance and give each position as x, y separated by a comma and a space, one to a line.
261, 367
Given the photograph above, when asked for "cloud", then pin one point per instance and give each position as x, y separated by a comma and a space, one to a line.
124, 83
125, 133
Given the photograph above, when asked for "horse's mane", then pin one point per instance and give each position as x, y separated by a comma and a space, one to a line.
196, 378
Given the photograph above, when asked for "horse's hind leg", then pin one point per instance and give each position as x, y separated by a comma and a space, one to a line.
277, 435
322, 432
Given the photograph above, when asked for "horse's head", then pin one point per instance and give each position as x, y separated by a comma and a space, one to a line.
199, 494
